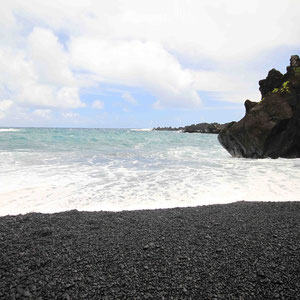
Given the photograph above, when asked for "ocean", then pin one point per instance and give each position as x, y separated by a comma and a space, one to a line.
57, 169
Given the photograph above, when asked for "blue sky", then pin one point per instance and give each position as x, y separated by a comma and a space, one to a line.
138, 63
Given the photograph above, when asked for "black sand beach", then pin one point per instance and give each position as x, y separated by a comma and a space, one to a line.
235, 251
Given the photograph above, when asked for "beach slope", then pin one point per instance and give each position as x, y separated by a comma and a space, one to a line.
244, 250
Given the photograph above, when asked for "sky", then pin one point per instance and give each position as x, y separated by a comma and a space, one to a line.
138, 63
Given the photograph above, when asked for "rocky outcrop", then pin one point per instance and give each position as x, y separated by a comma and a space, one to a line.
196, 128
273, 80
271, 127
168, 128
204, 128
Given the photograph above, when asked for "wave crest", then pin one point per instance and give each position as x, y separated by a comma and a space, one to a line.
142, 129
9, 129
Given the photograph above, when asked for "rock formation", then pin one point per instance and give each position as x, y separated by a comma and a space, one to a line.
168, 128
271, 127
204, 128
196, 128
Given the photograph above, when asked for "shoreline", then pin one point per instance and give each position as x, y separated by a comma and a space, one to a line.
241, 250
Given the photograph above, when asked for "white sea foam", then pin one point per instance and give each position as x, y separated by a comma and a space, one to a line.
171, 173
48, 188
9, 129
141, 129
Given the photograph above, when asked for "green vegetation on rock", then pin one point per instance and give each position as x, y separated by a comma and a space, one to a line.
284, 88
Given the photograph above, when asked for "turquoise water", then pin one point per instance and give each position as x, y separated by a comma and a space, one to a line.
55, 169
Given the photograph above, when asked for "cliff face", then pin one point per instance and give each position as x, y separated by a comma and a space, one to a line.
271, 127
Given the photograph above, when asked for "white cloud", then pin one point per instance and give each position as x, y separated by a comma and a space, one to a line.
98, 104
49, 50
36, 78
69, 97
42, 113
218, 30
129, 98
50, 60
5, 106
70, 115
136, 63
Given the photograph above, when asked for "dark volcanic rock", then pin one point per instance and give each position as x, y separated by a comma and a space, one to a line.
235, 251
168, 128
204, 128
271, 127
196, 128
249, 105
273, 80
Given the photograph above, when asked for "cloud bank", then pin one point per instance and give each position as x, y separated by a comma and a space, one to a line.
51, 51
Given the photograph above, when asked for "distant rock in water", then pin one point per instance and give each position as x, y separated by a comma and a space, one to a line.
204, 128
168, 128
271, 127
196, 128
